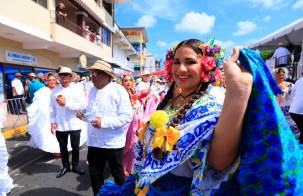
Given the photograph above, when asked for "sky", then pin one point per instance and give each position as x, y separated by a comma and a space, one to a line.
234, 23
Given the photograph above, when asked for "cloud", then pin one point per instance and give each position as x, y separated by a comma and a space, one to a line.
298, 5
245, 27
146, 21
194, 22
166, 9
162, 44
266, 3
228, 44
266, 18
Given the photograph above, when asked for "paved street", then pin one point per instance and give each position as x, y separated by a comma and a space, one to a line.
34, 172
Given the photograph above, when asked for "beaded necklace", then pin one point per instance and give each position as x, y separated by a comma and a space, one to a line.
157, 152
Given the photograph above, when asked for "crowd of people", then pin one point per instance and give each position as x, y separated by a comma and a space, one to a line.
185, 132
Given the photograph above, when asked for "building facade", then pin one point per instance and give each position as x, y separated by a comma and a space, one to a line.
41, 35
122, 52
138, 38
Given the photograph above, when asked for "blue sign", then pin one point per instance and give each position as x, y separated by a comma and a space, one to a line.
18, 57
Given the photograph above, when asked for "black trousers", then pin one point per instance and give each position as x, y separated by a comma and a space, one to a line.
298, 118
17, 105
62, 137
97, 158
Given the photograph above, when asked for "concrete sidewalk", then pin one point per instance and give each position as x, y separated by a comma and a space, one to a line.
34, 172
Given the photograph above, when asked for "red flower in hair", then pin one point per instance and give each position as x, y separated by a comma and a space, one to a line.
205, 76
168, 66
208, 63
218, 73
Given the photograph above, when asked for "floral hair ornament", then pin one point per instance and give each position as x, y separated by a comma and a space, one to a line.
168, 65
212, 61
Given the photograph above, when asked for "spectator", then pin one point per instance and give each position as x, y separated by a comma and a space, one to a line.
87, 32
41, 78
109, 110
18, 93
281, 54
60, 11
33, 86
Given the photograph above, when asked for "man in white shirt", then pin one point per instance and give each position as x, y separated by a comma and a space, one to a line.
281, 54
66, 100
296, 107
109, 110
144, 83
18, 94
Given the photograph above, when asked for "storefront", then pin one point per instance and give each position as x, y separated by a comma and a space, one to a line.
18, 62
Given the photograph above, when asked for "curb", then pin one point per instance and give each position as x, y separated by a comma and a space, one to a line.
21, 130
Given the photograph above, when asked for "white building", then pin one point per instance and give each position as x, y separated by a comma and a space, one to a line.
122, 49
150, 63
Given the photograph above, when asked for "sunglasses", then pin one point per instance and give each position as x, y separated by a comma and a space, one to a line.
97, 73
64, 74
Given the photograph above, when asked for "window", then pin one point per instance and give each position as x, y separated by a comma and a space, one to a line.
105, 36
107, 7
41, 2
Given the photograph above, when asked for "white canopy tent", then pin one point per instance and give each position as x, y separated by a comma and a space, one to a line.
290, 34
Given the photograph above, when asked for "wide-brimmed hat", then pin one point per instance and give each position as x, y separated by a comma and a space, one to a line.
18, 74
65, 70
103, 66
32, 74
146, 72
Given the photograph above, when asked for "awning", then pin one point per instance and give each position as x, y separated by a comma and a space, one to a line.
292, 33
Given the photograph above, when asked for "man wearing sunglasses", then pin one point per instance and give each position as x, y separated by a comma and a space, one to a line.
108, 113
66, 100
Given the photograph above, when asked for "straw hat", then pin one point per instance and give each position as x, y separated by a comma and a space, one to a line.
103, 66
18, 74
65, 70
145, 72
32, 75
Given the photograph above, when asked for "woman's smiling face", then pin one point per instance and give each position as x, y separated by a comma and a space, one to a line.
186, 69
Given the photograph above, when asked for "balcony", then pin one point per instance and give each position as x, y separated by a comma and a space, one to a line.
77, 44
19, 24
98, 12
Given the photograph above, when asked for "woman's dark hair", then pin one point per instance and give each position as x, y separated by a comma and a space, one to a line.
192, 43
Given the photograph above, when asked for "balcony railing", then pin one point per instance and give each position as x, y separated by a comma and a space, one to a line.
85, 33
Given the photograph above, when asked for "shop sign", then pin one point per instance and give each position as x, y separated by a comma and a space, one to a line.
17, 57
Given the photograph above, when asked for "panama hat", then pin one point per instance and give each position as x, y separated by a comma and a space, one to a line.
32, 74
145, 72
65, 70
18, 74
103, 66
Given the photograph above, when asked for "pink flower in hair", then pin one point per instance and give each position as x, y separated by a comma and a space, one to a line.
168, 66
218, 73
205, 76
208, 63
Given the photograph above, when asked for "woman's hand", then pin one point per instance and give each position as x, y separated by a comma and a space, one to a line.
224, 146
238, 79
